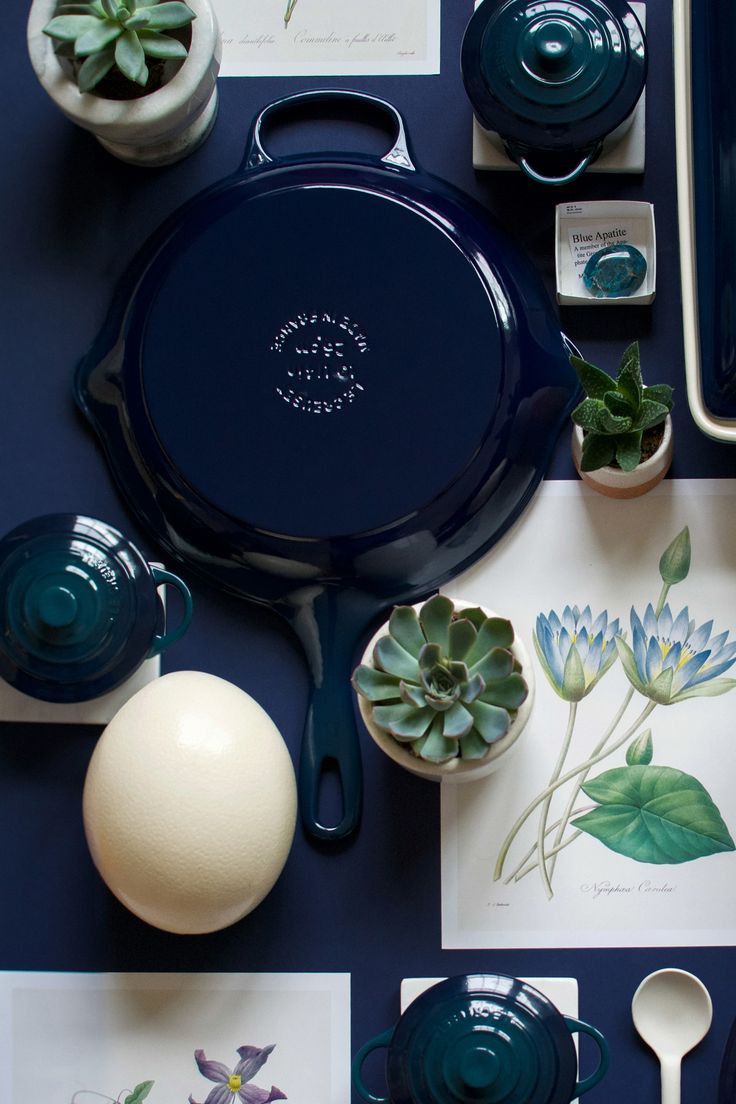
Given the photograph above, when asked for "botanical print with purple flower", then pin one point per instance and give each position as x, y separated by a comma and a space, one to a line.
233, 1085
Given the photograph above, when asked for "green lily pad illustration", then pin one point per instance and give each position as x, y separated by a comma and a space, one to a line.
654, 815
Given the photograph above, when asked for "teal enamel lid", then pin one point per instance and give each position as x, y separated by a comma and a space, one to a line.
493, 1041
577, 68
78, 604
481, 1039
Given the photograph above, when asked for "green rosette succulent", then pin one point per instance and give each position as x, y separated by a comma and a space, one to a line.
444, 683
118, 33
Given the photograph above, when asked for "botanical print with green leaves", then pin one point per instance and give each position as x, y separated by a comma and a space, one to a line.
644, 809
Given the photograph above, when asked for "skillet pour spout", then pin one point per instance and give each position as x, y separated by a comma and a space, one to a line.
325, 430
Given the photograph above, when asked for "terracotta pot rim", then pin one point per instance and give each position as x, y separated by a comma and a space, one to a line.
454, 770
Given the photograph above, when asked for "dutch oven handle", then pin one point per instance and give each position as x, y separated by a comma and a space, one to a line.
581, 1027
567, 178
380, 1041
397, 157
166, 578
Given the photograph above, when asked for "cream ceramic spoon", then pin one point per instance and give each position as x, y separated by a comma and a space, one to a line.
672, 1012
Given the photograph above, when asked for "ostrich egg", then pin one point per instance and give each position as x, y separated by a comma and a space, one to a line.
190, 803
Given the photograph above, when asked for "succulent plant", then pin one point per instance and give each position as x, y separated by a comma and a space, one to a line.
616, 412
122, 33
445, 683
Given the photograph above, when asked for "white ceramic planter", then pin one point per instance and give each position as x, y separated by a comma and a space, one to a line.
156, 129
616, 483
455, 770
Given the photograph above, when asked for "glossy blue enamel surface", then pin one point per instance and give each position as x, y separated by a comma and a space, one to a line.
714, 142
482, 1039
555, 78
329, 384
332, 379
80, 609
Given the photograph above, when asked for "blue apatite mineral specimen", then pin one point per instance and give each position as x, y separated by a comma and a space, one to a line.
614, 272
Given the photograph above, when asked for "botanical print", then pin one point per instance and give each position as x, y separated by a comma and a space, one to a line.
649, 812
328, 37
613, 823
202, 1038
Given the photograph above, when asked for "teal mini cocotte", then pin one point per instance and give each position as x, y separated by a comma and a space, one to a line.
485, 1039
80, 608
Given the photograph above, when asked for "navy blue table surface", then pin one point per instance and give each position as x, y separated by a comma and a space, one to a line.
70, 219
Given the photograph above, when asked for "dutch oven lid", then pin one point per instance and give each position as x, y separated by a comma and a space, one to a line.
554, 76
485, 1039
78, 607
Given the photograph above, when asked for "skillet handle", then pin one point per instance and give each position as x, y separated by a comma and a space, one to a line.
330, 744
331, 622
397, 157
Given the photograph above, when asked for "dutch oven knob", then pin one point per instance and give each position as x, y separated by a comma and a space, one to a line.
553, 42
57, 607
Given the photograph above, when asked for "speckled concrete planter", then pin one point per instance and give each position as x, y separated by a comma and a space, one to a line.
156, 129
620, 484
454, 770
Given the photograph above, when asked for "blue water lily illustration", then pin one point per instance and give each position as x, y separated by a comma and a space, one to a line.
671, 660
649, 812
574, 650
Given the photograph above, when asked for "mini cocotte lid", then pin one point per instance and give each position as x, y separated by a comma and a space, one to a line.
79, 607
481, 1039
557, 75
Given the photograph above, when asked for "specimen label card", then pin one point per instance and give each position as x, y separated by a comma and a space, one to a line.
626, 769
109, 1033
328, 37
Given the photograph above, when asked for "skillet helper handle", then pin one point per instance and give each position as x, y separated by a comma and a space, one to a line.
593, 1079
398, 156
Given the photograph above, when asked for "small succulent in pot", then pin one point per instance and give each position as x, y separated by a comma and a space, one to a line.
443, 682
119, 35
621, 419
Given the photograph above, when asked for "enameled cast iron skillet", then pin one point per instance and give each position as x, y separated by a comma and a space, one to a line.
328, 383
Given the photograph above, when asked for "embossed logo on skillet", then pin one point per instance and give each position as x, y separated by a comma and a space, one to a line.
321, 354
